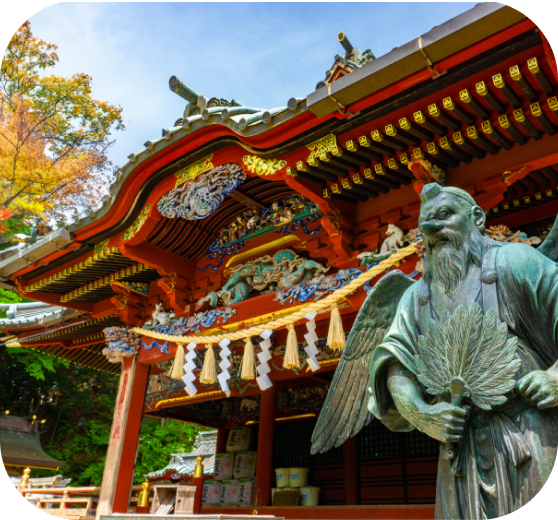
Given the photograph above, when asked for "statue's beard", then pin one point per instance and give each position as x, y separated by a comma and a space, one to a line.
449, 263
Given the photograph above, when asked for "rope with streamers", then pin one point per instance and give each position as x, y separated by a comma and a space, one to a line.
328, 301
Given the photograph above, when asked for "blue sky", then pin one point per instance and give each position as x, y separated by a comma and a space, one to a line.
258, 54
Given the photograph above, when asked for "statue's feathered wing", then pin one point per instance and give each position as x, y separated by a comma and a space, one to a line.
549, 247
345, 412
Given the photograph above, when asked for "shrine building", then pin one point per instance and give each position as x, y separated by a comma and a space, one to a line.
217, 232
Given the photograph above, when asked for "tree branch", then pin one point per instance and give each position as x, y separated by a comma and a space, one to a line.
10, 199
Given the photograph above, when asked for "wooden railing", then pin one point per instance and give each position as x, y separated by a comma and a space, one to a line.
85, 497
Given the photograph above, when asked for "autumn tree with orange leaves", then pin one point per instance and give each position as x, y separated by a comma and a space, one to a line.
53, 135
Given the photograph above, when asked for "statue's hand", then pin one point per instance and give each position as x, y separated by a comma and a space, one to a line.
540, 388
442, 421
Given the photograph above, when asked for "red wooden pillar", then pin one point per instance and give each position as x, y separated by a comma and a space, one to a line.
351, 472
123, 444
221, 440
198, 482
266, 435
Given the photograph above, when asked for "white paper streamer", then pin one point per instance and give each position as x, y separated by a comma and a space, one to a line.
311, 338
224, 376
264, 356
189, 368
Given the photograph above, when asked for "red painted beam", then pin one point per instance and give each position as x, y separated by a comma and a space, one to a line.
521, 218
157, 258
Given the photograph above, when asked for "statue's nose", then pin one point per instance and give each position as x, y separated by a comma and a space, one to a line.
428, 227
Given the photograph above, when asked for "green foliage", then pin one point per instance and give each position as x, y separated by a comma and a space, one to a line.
35, 363
158, 439
9, 297
14, 226
78, 407
78, 404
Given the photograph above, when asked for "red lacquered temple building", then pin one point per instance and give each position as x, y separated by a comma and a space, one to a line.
237, 217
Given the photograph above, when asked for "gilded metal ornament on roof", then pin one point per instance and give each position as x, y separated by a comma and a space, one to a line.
261, 166
502, 233
198, 199
137, 224
193, 170
319, 148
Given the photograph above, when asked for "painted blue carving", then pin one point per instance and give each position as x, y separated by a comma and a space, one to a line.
295, 225
221, 253
194, 323
164, 348
317, 288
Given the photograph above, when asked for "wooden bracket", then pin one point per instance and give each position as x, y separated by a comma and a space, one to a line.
129, 305
176, 289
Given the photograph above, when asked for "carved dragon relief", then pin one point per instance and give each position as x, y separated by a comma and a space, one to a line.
197, 199
268, 273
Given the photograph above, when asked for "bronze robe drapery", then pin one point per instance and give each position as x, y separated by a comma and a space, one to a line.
506, 455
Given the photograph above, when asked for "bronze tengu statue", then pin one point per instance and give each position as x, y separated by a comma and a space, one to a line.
468, 355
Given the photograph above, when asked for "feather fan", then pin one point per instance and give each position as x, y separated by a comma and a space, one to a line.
471, 349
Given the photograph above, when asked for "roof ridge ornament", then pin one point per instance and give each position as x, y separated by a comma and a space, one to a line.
352, 60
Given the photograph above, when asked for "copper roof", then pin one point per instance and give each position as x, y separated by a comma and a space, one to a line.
20, 444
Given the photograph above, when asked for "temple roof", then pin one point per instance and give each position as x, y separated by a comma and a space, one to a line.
442, 41
27, 315
452, 98
20, 443
22, 257
184, 463
58, 332
482, 21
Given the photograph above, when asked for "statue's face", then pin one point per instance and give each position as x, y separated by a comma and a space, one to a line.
446, 220
453, 241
